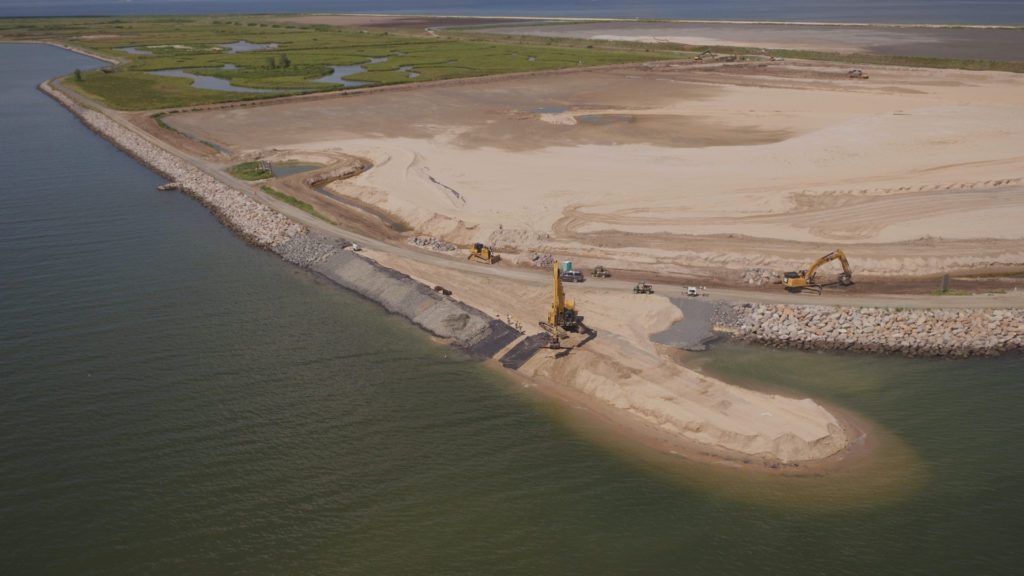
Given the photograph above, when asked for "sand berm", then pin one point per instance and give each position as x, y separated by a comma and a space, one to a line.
619, 376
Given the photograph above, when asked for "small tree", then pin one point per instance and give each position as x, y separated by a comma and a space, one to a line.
78, 75
285, 62
271, 62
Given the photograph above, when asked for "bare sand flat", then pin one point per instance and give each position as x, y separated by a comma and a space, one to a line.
928, 41
682, 167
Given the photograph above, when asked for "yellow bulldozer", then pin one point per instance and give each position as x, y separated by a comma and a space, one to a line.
807, 279
562, 317
481, 253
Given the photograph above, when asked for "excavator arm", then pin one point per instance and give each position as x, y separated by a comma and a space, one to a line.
845, 278
563, 311
805, 278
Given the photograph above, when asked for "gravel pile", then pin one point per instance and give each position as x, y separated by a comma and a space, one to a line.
309, 249
542, 260
431, 243
759, 276
913, 332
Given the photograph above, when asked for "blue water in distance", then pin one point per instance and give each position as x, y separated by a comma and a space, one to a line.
902, 11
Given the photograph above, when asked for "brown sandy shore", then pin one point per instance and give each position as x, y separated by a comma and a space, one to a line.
621, 375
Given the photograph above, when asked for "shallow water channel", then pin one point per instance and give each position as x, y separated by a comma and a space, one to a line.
211, 82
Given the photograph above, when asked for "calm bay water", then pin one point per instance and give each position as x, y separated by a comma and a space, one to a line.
175, 402
903, 11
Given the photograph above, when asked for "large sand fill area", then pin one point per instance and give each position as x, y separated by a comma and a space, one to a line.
698, 169
969, 42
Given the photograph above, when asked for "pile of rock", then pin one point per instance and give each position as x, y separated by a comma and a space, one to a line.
431, 243
309, 249
542, 260
759, 276
913, 332
724, 314
256, 223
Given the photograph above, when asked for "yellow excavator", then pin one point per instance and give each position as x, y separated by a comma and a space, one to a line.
805, 279
562, 318
481, 253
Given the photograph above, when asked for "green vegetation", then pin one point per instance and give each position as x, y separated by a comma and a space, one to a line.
129, 90
293, 201
303, 53
250, 171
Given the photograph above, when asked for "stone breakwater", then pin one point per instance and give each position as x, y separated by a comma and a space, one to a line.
255, 222
912, 332
466, 327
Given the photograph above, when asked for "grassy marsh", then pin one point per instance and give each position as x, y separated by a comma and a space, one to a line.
303, 53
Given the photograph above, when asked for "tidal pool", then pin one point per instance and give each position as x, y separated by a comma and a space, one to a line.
243, 46
136, 51
210, 82
287, 169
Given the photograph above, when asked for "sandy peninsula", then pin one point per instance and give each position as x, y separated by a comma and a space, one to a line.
679, 171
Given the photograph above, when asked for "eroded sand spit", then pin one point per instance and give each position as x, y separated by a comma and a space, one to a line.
725, 420
913, 332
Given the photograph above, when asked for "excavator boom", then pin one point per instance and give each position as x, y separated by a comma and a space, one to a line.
806, 278
563, 312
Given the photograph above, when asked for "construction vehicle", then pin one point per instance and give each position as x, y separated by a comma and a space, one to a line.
857, 74
573, 276
570, 275
481, 253
692, 291
806, 279
562, 317
702, 55
600, 272
643, 287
